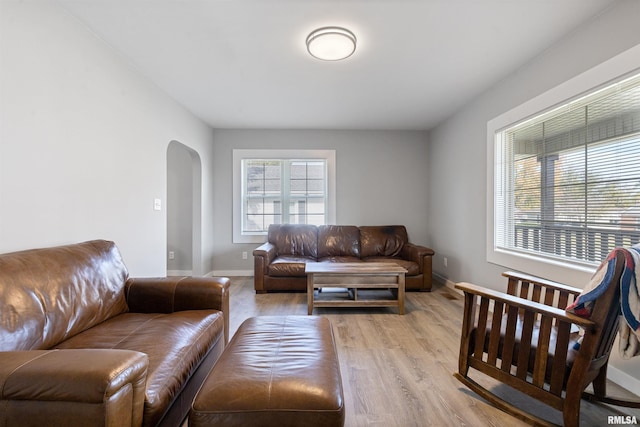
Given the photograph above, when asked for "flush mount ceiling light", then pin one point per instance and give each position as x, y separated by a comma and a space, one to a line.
331, 43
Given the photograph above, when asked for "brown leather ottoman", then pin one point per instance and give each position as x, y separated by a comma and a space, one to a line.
276, 371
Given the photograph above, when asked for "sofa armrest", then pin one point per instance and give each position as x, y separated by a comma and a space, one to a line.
169, 294
89, 387
267, 251
416, 253
263, 255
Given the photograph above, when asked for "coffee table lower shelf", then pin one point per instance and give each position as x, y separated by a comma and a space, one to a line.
372, 277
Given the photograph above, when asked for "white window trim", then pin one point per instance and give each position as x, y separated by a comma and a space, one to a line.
603, 74
240, 154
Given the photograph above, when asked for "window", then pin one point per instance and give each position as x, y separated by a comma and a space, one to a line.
567, 181
277, 191
281, 186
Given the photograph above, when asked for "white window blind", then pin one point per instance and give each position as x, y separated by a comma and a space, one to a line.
567, 182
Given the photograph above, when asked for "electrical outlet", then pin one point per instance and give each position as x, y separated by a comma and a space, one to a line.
445, 261
244, 255
172, 255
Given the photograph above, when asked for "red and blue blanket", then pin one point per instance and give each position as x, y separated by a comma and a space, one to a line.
629, 297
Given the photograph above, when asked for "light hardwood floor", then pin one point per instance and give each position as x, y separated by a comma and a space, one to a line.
397, 370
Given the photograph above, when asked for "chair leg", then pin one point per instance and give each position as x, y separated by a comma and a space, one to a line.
600, 382
463, 365
571, 410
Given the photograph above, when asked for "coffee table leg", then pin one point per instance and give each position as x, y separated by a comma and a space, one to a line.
309, 293
401, 293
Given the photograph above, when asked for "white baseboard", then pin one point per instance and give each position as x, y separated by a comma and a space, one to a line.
237, 273
179, 273
217, 273
444, 281
623, 379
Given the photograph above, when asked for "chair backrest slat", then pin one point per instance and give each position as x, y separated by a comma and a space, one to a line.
481, 334
524, 353
509, 343
495, 335
560, 356
540, 365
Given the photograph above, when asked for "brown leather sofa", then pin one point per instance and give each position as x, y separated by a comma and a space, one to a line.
279, 263
83, 344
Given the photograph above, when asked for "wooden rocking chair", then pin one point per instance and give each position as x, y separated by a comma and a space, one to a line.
529, 342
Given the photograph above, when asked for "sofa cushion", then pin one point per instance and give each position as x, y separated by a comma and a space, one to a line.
339, 259
412, 267
48, 295
175, 343
285, 266
384, 241
294, 239
338, 241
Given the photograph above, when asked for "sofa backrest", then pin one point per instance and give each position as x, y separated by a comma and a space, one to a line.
338, 240
49, 295
384, 240
294, 239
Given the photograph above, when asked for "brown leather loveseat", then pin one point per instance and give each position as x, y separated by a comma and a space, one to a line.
279, 263
83, 344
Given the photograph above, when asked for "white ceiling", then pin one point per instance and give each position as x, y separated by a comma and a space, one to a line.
243, 63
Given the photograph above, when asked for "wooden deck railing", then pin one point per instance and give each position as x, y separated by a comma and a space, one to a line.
588, 244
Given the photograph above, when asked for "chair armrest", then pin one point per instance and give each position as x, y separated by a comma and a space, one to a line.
523, 303
88, 387
542, 282
170, 294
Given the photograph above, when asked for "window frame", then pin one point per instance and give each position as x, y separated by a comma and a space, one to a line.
329, 156
609, 72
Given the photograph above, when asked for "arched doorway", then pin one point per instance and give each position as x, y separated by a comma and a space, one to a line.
184, 201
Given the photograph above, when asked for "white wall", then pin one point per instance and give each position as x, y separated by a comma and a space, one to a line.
180, 200
83, 141
458, 147
381, 179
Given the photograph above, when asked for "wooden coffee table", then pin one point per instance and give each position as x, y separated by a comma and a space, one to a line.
354, 276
